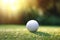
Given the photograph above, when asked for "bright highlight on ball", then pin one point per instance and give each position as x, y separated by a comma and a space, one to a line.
32, 25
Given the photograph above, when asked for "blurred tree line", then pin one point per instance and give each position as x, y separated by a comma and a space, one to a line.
51, 13
51, 16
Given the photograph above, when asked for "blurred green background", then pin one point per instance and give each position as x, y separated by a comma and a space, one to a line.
49, 13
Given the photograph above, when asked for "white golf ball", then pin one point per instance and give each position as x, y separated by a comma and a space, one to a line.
32, 25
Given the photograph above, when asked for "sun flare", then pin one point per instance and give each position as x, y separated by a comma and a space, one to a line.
10, 7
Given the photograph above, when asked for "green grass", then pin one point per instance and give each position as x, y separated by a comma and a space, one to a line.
19, 32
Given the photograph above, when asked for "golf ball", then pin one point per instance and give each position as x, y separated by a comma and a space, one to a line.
32, 25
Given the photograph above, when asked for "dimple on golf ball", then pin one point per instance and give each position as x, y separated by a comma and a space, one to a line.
32, 25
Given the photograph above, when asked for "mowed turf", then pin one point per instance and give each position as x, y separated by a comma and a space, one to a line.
19, 32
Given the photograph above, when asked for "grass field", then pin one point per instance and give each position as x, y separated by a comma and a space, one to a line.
19, 32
